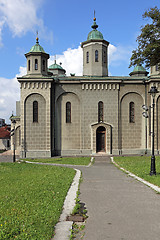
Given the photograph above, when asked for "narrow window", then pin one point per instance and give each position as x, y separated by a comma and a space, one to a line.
96, 56
29, 65
68, 112
43, 65
19, 137
100, 111
8, 143
157, 68
131, 112
36, 64
87, 57
104, 56
35, 111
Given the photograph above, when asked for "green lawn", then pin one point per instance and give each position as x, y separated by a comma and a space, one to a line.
64, 160
31, 199
140, 166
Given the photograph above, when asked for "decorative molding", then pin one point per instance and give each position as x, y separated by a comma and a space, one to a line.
100, 86
94, 43
35, 85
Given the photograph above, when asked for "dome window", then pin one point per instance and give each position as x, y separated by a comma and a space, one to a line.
96, 56
36, 64
43, 65
104, 57
29, 65
87, 57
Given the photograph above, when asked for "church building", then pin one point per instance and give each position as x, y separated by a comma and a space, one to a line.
84, 115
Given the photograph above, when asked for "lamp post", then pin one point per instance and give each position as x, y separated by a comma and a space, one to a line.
14, 154
153, 92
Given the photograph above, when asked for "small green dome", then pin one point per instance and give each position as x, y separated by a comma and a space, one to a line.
55, 66
37, 47
95, 34
139, 68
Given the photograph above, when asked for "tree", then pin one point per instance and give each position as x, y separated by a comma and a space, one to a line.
148, 50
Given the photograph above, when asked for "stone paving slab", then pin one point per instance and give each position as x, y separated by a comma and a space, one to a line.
119, 207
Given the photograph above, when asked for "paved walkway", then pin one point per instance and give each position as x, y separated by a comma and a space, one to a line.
119, 207
7, 157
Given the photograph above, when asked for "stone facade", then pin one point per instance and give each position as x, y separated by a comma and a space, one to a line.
85, 115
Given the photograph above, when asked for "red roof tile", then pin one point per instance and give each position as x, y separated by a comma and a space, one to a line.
4, 132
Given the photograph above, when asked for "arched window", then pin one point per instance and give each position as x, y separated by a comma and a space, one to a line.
96, 56
36, 64
43, 65
100, 111
29, 65
35, 111
87, 57
68, 112
131, 112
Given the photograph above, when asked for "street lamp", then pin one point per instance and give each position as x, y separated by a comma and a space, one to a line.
153, 92
14, 154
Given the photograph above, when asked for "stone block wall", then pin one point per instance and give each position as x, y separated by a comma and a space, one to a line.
35, 137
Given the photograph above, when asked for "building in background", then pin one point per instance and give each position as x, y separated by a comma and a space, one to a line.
94, 113
2, 122
5, 137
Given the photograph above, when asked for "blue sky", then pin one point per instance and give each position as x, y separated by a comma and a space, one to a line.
62, 26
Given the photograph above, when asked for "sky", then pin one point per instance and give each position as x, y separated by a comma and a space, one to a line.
62, 26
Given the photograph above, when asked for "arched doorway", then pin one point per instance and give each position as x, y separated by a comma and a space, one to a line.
101, 139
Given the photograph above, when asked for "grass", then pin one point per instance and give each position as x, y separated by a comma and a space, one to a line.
31, 199
140, 166
76, 230
64, 160
1, 151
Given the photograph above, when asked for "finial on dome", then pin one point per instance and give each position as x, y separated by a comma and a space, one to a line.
94, 16
94, 26
37, 37
55, 59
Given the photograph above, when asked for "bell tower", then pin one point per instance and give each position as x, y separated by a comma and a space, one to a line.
95, 53
37, 60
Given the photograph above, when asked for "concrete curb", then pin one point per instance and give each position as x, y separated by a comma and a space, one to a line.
62, 165
63, 227
154, 187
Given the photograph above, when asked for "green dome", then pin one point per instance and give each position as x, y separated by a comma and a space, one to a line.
139, 68
95, 34
55, 66
37, 47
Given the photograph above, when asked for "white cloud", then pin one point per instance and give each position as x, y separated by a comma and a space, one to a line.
71, 59
21, 16
10, 93
120, 54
